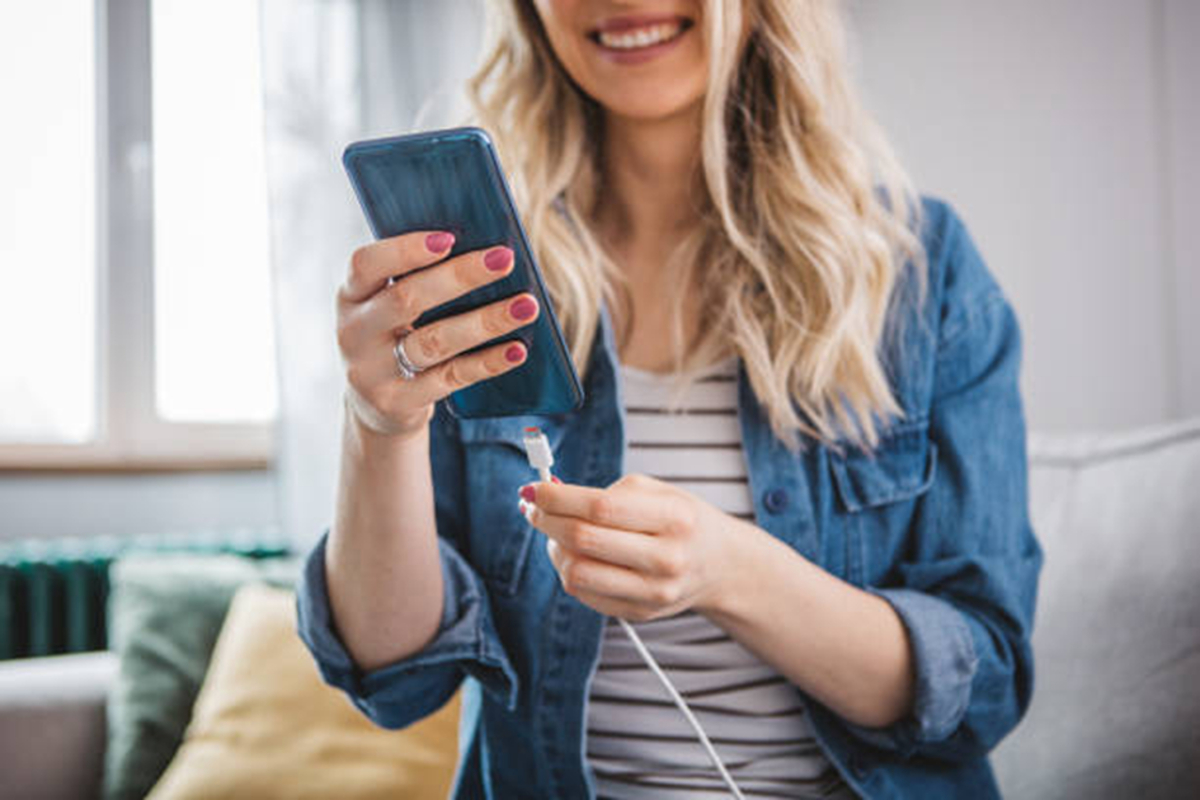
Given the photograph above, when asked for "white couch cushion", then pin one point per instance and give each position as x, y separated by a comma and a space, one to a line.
52, 724
1116, 706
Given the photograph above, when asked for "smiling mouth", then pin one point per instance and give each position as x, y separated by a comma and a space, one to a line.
641, 37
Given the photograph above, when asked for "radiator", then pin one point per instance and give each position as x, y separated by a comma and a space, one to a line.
54, 593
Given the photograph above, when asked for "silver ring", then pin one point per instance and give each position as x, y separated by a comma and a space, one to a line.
408, 370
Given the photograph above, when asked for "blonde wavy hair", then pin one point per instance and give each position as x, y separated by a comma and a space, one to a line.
805, 217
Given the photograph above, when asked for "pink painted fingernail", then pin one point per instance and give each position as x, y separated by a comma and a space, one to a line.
437, 242
514, 353
523, 308
555, 479
498, 259
527, 492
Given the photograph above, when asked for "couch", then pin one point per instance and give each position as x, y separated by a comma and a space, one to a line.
1116, 709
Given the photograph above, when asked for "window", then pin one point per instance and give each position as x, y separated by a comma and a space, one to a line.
48, 223
212, 330
135, 324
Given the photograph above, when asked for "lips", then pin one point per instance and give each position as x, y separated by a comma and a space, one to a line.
639, 31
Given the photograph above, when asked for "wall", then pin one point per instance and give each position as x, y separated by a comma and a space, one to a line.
37, 506
1061, 132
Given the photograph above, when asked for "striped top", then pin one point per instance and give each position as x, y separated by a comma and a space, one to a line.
639, 744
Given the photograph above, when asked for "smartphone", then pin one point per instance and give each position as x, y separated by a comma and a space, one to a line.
451, 180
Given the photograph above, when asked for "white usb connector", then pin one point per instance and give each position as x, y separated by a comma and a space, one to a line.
537, 448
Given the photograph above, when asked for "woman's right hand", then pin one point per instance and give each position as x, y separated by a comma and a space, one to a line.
371, 315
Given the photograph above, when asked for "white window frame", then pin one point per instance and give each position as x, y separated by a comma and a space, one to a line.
130, 435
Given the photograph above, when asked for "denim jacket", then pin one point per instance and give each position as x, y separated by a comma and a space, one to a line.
935, 522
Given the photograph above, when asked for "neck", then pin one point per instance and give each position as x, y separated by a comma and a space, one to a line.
649, 179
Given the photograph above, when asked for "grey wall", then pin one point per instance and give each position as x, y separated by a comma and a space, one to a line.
39, 506
1181, 136
1063, 134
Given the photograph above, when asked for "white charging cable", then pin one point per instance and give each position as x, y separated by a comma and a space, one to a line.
537, 449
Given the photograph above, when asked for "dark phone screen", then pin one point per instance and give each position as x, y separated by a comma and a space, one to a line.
450, 180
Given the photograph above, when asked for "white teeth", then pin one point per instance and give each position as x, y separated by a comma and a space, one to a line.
642, 37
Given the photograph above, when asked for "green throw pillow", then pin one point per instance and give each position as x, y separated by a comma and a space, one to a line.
165, 612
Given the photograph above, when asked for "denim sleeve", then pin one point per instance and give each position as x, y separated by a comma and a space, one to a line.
967, 588
466, 643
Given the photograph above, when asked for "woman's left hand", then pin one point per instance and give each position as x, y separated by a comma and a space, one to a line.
639, 549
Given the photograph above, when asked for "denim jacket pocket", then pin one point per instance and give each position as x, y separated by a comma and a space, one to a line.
874, 490
495, 464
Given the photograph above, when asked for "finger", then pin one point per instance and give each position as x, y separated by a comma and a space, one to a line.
439, 341
604, 604
578, 573
643, 552
616, 607
371, 265
396, 307
612, 507
375, 365
437, 382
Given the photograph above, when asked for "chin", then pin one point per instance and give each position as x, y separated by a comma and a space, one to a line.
646, 103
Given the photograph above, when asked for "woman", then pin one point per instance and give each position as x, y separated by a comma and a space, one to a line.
799, 470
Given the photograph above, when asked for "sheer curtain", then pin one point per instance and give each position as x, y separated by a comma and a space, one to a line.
335, 71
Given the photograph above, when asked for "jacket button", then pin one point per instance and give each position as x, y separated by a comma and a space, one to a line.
776, 500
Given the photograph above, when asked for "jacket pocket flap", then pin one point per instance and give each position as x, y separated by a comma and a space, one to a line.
902, 467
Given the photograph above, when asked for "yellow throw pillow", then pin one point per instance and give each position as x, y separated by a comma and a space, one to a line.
265, 725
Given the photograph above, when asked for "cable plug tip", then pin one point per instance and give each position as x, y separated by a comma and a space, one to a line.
537, 449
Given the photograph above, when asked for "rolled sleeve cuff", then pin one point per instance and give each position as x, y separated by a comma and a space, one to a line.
945, 663
411, 688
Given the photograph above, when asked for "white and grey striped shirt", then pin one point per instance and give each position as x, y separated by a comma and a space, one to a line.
639, 745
